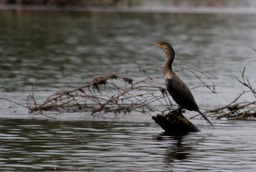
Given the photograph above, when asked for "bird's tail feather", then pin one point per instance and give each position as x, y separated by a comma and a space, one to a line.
205, 117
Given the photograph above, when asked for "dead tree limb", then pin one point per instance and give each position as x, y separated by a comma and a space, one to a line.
174, 123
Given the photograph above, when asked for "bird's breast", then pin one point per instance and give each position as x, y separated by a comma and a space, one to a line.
168, 75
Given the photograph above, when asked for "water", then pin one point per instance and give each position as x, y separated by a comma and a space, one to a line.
123, 146
55, 51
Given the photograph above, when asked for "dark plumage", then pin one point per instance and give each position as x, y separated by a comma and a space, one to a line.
175, 86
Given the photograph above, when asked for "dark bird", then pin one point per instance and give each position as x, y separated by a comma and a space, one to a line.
175, 86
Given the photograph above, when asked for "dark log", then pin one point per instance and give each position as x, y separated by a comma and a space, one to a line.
174, 123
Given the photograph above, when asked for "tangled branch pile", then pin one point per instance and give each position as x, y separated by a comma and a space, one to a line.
238, 110
120, 93
116, 93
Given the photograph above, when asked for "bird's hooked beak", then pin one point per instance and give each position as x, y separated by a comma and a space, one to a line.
158, 45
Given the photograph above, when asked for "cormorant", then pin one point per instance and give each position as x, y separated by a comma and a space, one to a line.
175, 86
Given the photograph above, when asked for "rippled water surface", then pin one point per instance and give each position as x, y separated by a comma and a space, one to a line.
123, 146
55, 51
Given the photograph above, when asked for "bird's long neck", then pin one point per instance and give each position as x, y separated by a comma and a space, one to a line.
167, 67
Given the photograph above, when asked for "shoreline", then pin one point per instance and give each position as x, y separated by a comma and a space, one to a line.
48, 8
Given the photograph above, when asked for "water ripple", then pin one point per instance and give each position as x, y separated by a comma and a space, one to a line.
79, 146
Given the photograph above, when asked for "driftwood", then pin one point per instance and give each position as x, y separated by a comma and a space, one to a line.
120, 93
237, 109
174, 123
115, 93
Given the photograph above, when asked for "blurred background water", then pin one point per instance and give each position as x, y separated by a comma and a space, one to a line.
53, 51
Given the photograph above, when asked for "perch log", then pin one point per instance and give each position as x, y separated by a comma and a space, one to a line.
175, 123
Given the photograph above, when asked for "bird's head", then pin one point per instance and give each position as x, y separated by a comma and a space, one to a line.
163, 45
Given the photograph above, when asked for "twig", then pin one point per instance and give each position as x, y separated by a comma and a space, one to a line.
19, 104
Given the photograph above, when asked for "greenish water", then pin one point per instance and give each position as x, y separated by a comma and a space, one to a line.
55, 51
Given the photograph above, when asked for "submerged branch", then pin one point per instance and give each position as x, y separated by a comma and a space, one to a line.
116, 93
120, 93
238, 110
